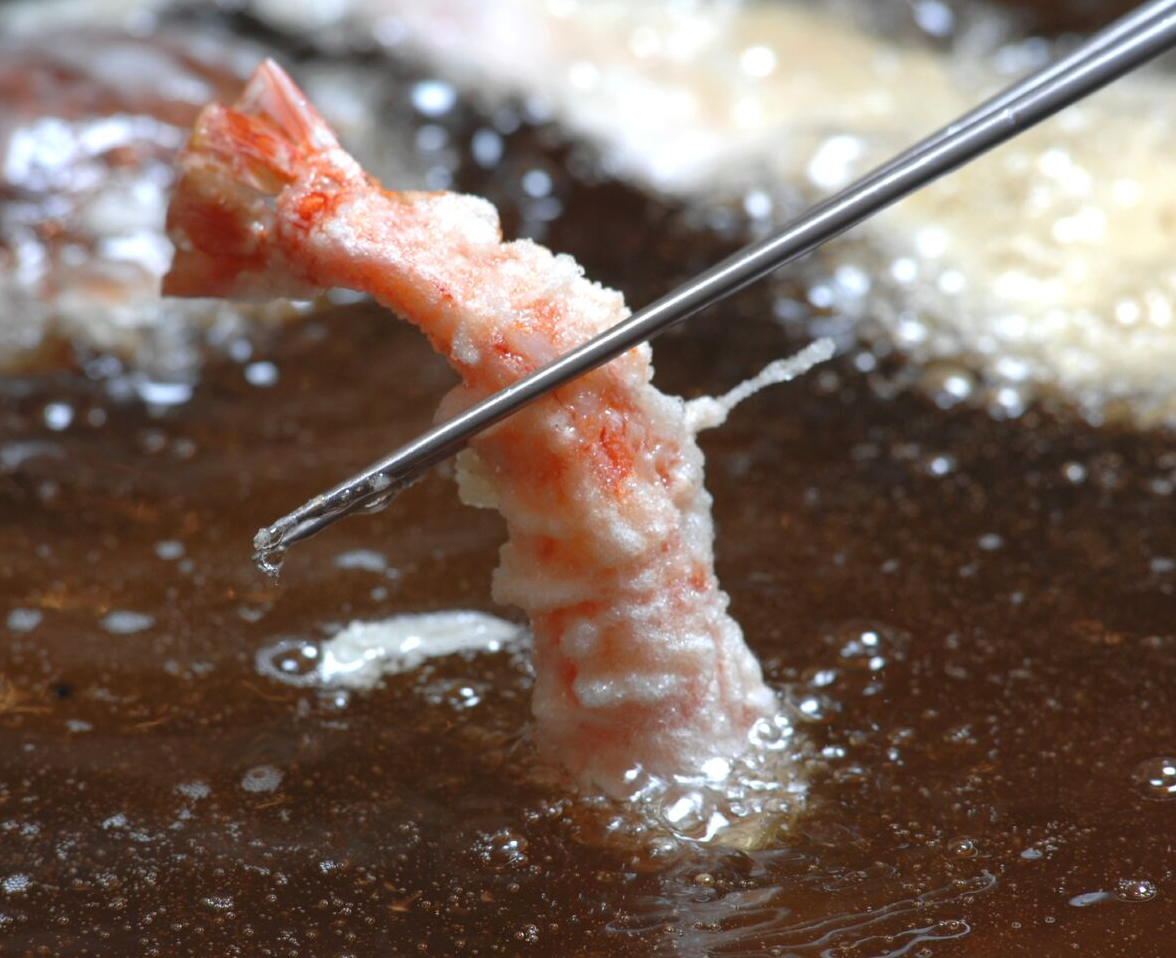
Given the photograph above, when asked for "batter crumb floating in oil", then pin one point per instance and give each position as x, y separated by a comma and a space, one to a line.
640, 672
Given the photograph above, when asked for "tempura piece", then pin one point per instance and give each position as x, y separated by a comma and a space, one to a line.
638, 665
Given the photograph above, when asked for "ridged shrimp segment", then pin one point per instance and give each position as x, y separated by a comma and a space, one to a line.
610, 538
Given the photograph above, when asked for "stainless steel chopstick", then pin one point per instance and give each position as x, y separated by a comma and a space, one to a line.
1125, 45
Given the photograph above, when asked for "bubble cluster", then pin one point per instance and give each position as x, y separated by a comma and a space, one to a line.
1135, 890
15, 884
867, 645
503, 849
738, 801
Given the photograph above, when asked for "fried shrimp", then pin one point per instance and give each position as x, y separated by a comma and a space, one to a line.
638, 664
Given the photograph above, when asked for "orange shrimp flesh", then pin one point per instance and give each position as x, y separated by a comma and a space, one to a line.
639, 667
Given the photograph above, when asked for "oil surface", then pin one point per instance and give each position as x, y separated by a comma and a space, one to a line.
973, 619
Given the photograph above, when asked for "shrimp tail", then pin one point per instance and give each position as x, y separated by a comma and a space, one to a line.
233, 173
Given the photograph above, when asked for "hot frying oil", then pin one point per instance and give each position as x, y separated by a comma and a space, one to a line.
971, 622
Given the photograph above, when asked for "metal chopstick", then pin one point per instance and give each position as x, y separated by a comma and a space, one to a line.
1120, 48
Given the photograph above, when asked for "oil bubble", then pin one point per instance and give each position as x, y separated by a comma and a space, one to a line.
169, 549
822, 678
58, 415
772, 734
456, 693
261, 374
962, 847
867, 646
1135, 889
688, 813
947, 383
433, 97
502, 849
528, 933
816, 708
940, 465
1155, 779
261, 778
218, 902
291, 661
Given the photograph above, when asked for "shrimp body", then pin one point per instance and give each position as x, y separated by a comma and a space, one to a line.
637, 662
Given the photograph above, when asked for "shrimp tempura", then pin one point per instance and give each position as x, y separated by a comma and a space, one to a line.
638, 665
